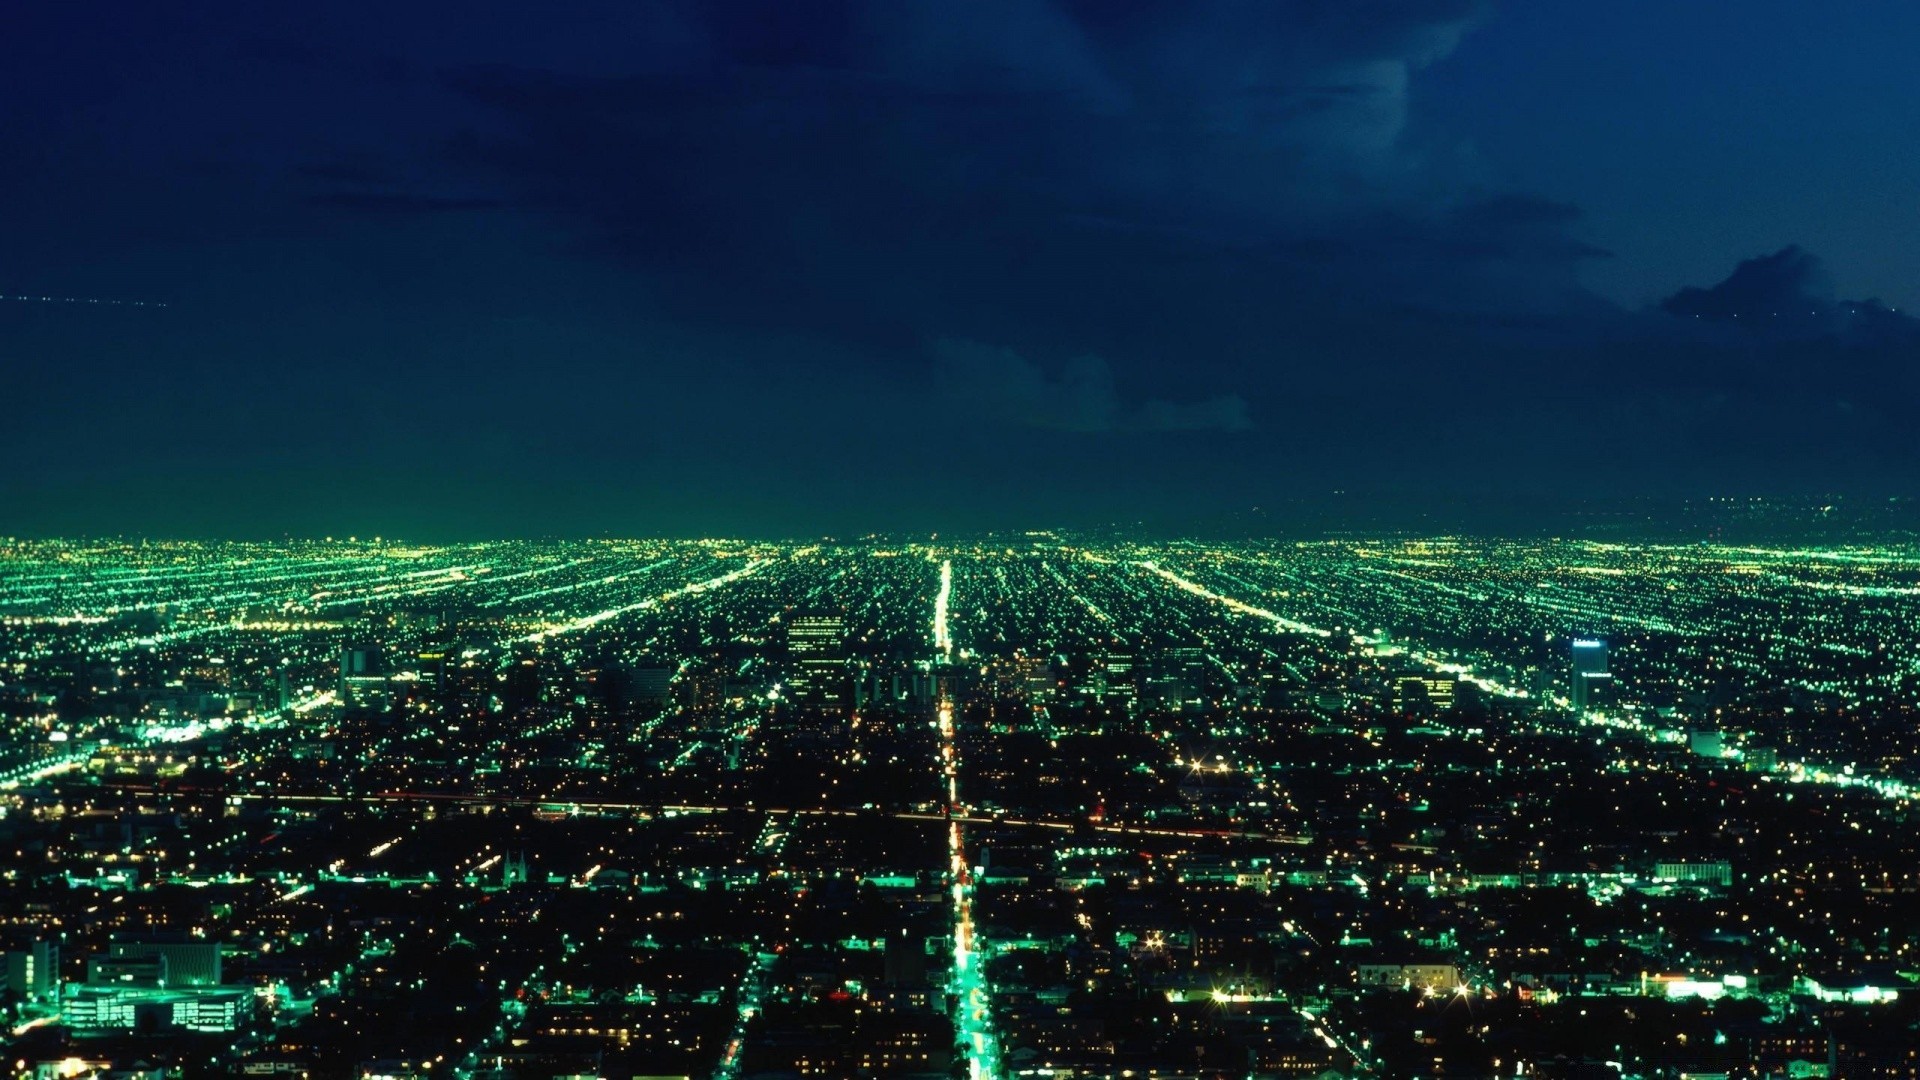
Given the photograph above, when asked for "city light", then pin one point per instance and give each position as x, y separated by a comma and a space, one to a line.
698, 803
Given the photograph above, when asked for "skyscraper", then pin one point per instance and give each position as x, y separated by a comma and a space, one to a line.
363, 676
1591, 680
817, 660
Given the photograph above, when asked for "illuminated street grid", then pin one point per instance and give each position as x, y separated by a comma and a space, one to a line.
1031, 805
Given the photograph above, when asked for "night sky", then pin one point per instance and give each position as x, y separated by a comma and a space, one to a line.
798, 267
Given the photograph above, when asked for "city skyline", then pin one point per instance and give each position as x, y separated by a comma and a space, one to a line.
1002, 808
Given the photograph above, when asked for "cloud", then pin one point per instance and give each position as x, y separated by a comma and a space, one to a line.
894, 172
1759, 288
1191, 198
1766, 375
1785, 296
1000, 386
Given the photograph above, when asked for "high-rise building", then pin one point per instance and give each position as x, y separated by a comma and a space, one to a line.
817, 660
1176, 680
906, 959
705, 691
1591, 680
1590, 655
434, 662
160, 963
1425, 693
363, 676
33, 973
1596, 691
652, 684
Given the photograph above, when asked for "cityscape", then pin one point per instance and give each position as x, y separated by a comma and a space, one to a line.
922, 540
1023, 805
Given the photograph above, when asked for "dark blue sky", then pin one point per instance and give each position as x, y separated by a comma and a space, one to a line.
777, 267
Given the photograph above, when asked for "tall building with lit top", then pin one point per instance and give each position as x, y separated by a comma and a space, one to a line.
1591, 680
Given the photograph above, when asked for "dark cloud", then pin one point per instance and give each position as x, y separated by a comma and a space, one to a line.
1759, 288
999, 386
1786, 296
1766, 375
896, 173
744, 254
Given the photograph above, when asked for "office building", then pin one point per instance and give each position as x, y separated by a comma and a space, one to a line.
652, 684
1591, 684
363, 677
1712, 872
33, 973
1425, 693
156, 964
817, 660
